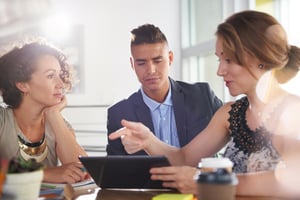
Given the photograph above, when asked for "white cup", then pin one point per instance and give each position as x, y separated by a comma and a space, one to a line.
24, 186
212, 164
216, 180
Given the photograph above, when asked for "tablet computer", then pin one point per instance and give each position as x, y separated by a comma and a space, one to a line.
124, 172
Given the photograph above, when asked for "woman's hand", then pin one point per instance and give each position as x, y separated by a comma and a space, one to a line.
67, 173
134, 136
56, 108
178, 177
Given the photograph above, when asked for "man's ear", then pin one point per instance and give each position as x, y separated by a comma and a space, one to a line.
22, 86
132, 63
171, 57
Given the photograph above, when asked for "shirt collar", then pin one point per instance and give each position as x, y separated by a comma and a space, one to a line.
152, 104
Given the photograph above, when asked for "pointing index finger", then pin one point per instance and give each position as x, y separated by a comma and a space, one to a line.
117, 134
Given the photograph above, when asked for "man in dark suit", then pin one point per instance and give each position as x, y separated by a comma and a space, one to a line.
175, 111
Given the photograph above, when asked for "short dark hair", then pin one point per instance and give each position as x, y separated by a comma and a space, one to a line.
147, 34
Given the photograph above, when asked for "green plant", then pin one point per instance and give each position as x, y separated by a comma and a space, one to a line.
19, 165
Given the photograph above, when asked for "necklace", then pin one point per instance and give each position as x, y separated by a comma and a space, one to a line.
39, 153
36, 150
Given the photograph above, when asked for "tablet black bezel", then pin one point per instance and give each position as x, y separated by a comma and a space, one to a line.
124, 172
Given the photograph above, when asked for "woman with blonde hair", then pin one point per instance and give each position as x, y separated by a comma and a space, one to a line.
260, 129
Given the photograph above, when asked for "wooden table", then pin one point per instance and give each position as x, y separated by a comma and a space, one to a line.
99, 194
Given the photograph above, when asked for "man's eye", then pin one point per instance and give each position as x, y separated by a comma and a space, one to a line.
140, 63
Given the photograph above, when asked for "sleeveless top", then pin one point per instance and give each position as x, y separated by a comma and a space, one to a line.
249, 150
9, 146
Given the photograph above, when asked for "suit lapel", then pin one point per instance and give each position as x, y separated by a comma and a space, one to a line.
179, 112
142, 112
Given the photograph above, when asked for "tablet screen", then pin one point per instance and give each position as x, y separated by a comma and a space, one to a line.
124, 171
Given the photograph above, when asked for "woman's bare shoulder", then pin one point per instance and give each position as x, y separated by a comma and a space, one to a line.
222, 114
226, 106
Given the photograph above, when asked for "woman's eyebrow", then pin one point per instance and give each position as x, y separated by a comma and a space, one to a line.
49, 70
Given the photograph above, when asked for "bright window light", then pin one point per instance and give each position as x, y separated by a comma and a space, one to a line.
57, 27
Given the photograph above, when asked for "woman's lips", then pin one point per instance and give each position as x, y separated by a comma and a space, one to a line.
58, 95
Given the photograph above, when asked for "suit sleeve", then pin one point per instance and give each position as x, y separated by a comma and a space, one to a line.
216, 103
114, 147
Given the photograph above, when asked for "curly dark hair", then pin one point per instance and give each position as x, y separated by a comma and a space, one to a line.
17, 65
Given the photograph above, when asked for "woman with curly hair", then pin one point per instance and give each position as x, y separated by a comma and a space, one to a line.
33, 82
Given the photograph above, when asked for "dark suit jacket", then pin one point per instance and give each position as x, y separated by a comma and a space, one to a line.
194, 105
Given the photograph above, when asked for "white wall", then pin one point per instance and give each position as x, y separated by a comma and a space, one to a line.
107, 24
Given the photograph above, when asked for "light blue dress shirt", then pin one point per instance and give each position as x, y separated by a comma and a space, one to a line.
163, 119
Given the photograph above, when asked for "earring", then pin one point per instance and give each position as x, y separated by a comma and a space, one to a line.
261, 66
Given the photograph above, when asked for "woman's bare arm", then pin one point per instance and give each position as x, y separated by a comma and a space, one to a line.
67, 147
211, 140
135, 136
